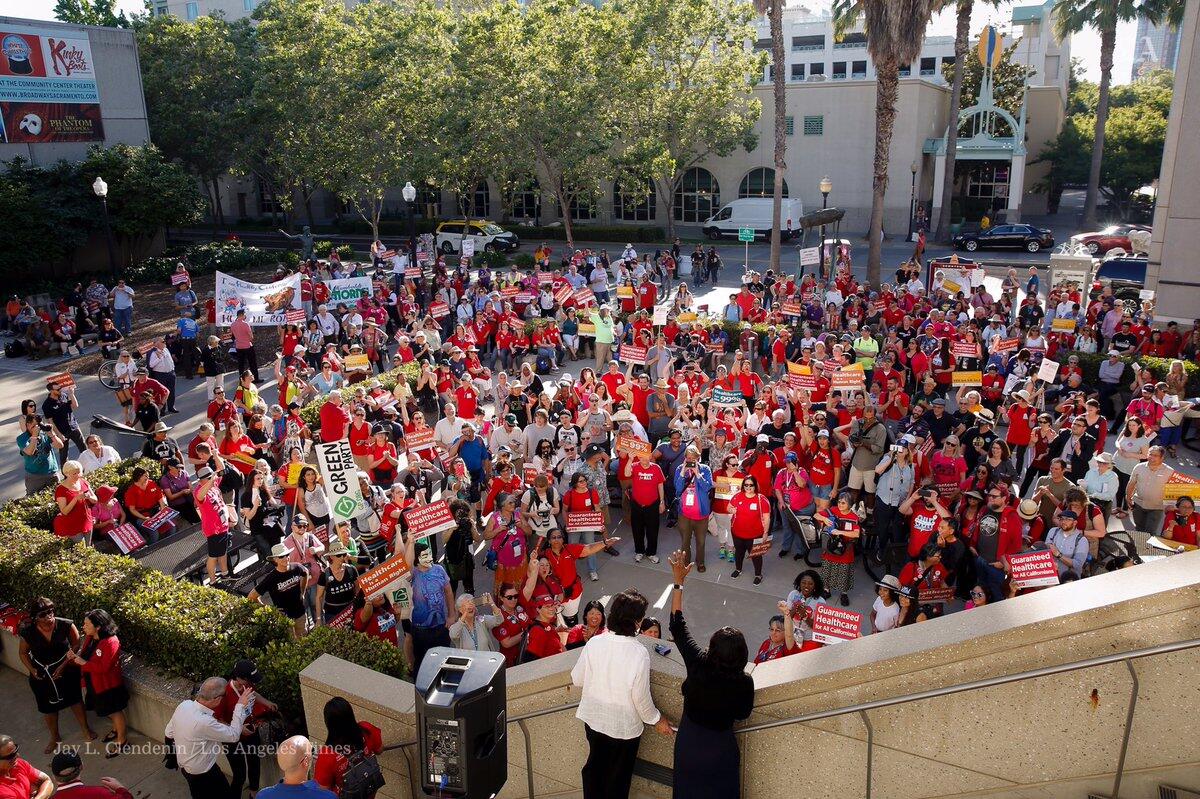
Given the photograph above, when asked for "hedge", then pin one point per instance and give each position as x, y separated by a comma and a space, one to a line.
646, 234
311, 413
203, 259
185, 629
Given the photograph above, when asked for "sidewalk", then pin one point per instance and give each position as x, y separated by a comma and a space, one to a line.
140, 770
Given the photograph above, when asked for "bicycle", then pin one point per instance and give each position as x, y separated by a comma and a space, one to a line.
107, 372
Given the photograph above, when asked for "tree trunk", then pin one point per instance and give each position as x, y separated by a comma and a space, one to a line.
779, 66
1108, 41
962, 40
886, 82
217, 207
668, 202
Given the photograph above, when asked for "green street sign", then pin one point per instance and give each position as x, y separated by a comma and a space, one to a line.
746, 234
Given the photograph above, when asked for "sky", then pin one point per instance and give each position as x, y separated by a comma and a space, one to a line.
1084, 46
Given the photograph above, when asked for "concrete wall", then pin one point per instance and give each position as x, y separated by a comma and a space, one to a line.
1054, 736
119, 81
1172, 265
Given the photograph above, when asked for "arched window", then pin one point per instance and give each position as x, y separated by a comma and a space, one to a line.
759, 183
634, 206
526, 201
479, 204
697, 197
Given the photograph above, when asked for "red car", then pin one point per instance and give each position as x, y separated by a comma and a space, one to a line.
1111, 238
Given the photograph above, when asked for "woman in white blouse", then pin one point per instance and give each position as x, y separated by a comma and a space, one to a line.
97, 454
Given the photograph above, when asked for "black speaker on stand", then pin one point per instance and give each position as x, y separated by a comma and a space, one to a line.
462, 723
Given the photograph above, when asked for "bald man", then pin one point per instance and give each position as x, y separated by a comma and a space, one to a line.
295, 758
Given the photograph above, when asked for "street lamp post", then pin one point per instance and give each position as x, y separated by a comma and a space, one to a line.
825, 186
912, 201
409, 194
101, 190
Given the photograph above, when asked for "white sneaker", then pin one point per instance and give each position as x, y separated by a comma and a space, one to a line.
637, 558
654, 558
593, 576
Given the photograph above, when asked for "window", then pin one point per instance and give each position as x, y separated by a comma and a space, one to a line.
816, 69
759, 183
948, 61
268, 203
193, 11
634, 206
763, 44
839, 70
429, 201
814, 126
697, 196
527, 201
859, 69
582, 210
797, 72
928, 66
789, 125
988, 180
478, 205
770, 74
851, 40
905, 70
800, 43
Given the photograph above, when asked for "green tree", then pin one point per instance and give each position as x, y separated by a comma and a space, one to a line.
91, 12
693, 89
146, 193
1072, 16
195, 76
773, 9
45, 215
895, 31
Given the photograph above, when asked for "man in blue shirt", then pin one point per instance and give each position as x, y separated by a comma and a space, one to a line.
189, 330
476, 457
433, 609
296, 760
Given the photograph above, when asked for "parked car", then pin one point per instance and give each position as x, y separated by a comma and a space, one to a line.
1126, 274
1113, 237
755, 213
1023, 237
488, 236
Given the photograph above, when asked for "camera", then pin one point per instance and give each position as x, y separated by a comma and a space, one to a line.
44, 427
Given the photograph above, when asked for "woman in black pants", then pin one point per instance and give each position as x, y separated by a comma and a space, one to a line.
716, 693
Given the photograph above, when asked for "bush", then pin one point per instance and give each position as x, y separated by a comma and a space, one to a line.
290, 259
203, 259
496, 261
524, 261
185, 629
322, 248
151, 270
311, 413
1090, 364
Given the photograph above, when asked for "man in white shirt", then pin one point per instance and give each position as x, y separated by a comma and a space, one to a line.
198, 737
614, 672
327, 323
449, 427
508, 434
161, 364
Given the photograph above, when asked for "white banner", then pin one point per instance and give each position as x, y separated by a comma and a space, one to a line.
265, 303
468, 246
965, 278
348, 290
810, 256
336, 464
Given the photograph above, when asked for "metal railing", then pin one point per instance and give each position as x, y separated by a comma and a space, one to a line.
863, 708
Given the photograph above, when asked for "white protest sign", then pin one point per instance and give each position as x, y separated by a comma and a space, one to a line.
348, 290
265, 304
1048, 370
336, 464
468, 246
810, 256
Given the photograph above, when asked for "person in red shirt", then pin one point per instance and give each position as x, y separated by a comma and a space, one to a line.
544, 639
516, 613
67, 768
335, 420
1021, 418
647, 295
344, 735
383, 459
361, 439
1182, 525
781, 641
924, 508
837, 571
750, 519
824, 468
647, 504
637, 394
466, 397
245, 762
613, 379
221, 411
926, 572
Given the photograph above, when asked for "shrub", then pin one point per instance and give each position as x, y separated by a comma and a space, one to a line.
227, 256
496, 261
151, 270
322, 248
289, 258
524, 261
311, 413
346, 253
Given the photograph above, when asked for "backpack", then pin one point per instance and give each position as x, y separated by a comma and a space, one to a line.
543, 365
15, 349
363, 777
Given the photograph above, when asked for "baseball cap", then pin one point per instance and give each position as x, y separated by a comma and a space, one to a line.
246, 670
1067, 514
763, 439
792, 457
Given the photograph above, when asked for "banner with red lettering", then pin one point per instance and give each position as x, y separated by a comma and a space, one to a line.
585, 521
832, 625
634, 355
429, 520
127, 538
383, 577
439, 309
1033, 569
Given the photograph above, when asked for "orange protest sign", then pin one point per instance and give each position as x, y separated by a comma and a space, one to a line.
383, 577
632, 445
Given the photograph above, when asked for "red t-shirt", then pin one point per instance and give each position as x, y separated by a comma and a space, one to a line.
513, 624
361, 439
330, 768
18, 782
1186, 533
922, 527
612, 381
563, 565
1020, 424
646, 481
544, 640
335, 420
747, 515
242, 446
768, 652
145, 499
467, 400
386, 471
79, 520
640, 395
821, 465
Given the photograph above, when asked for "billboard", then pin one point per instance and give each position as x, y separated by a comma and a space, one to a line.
48, 89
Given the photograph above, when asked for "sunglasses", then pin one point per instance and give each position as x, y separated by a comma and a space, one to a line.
11, 755
510, 597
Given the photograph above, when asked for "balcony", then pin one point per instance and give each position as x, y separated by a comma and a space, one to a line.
807, 48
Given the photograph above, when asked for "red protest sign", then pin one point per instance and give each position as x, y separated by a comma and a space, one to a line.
429, 519
508, 292
545, 277
936, 596
160, 519
761, 546
847, 380
1033, 569
798, 381
342, 620
832, 625
63, 380
585, 520
717, 347
127, 538
530, 473
387, 255
179, 278
793, 308
1006, 344
412, 272
149, 345
963, 349
583, 296
293, 316
523, 298
439, 309
632, 354
419, 440
562, 293
383, 577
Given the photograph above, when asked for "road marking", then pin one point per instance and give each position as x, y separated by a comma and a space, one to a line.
662, 599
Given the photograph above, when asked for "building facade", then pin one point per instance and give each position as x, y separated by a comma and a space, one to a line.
1156, 47
64, 88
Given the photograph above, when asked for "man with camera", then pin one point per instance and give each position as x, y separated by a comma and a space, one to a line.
39, 443
868, 436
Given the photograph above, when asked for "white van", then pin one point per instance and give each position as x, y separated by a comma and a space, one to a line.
754, 212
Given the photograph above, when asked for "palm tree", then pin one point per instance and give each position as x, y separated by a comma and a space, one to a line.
895, 31
962, 42
1072, 16
774, 11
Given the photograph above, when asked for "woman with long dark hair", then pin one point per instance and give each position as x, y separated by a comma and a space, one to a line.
99, 658
716, 693
345, 738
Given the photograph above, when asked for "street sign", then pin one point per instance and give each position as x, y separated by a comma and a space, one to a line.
746, 234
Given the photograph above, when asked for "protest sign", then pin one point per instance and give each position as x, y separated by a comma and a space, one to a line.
964, 349
508, 292
438, 309
530, 473
353, 362
1047, 371
338, 470
832, 625
726, 397
293, 473
1179, 485
294, 316
1006, 344
966, 378
524, 298
348, 290
384, 577
810, 256
632, 446
847, 380
587, 329
342, 620
935, 596
715, 347
1146, 294
63, 380
1063, 325
468, 246
412, 273
761, 546
793, 308
726, 487
624, 292
660, 315
321, 533
161, 519
583, 296
419, 440
430, 519
179, 278
562, 293
264, 303
126, 537
634, 355
1033, 569
585, 521
545, 277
